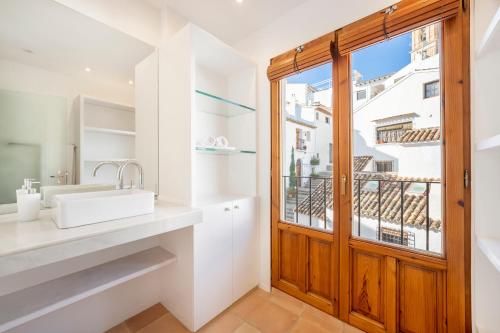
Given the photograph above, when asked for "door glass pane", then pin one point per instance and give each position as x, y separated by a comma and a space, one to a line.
397, 141
307, 148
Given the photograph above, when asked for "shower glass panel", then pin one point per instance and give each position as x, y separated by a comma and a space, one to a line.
32, 140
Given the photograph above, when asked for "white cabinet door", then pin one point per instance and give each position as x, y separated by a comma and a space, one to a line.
245, 246
213, 262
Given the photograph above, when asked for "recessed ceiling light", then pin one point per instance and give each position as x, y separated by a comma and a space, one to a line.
239, 1
130, 82
87, 69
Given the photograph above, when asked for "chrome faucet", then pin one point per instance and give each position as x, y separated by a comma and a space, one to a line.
139, 168
100, 164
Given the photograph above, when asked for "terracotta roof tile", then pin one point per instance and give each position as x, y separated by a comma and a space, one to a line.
360, 162
421, 135
414, 204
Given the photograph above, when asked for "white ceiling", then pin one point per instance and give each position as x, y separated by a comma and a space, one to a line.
65, 41
227, 19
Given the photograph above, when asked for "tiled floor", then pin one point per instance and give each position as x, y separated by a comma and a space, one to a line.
257, 312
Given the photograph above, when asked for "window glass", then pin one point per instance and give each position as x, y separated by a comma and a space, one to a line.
384, 166
431, 89
360, 94
396, 137
306, 148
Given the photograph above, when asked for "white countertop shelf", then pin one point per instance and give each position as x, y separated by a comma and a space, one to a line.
119, 160
22, 306
489, 143
223, 150
107, 104
27, 245
109, 131
491, 249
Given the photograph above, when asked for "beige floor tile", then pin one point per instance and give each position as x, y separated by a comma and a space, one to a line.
322, 319
286, 301
226, 322
121, 328
271, 318
350, 329
307, 326
166, 324
145, 317
259, 292
249, 302
246, 328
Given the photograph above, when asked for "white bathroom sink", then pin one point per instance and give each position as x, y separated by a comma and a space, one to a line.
48, 192
77, 209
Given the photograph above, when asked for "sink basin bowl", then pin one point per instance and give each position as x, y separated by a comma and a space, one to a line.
48, 192
77, 209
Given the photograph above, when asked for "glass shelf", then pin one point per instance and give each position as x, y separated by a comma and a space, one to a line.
216, 105
222, 151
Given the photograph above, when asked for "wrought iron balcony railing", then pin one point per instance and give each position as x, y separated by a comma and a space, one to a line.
313, 201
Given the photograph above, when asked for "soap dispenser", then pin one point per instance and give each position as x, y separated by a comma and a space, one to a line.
28, 201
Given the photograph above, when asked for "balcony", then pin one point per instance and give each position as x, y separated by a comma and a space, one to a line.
386, 208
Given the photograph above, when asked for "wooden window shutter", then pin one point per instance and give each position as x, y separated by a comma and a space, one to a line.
316, 52
396, 19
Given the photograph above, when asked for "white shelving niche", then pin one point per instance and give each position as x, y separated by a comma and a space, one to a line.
209, 94
485, 164
106, 132
207, 89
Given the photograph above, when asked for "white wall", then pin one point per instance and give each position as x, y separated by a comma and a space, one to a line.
19, 77
134, 17
300, 25
171, 22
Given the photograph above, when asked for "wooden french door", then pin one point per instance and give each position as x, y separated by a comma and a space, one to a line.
304, 245
304, 250
368, 271
410, 286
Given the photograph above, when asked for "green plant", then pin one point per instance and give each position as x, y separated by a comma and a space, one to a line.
292, 180
314, 160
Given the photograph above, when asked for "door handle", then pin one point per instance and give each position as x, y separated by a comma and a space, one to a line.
236, 207
343, 182
227, 209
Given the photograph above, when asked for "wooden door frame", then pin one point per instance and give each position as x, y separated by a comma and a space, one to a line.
454, 269
277, 224
455, 264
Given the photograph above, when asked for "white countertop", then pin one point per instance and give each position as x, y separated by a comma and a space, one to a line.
25, 245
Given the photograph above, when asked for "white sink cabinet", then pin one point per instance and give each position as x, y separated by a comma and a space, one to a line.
226, 256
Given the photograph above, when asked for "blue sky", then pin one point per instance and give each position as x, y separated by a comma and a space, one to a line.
373, 61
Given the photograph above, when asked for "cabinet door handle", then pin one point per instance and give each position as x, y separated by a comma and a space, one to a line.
227, 209
236, 207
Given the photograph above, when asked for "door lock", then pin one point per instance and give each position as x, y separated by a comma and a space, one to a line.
343, 182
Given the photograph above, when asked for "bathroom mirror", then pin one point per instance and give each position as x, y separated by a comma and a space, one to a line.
66, 100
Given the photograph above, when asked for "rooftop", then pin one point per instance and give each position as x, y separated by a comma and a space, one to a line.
414, 209
429, 134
